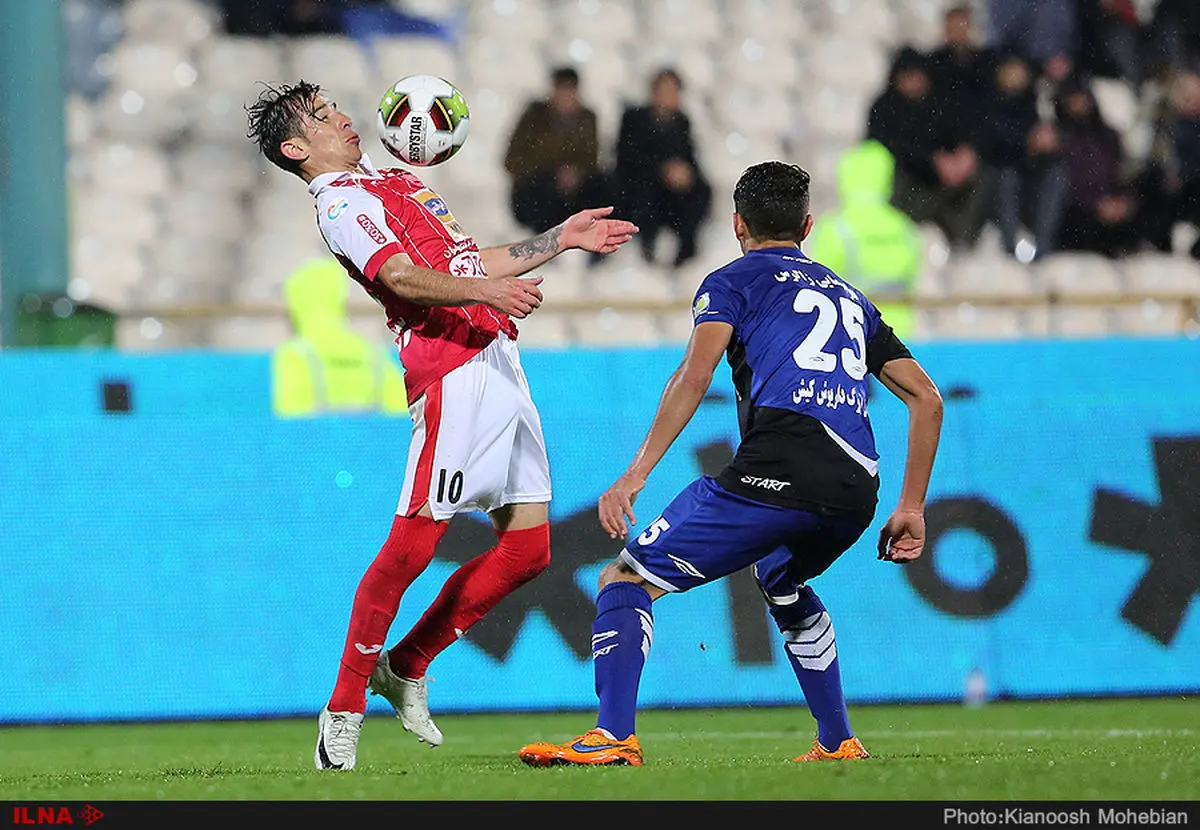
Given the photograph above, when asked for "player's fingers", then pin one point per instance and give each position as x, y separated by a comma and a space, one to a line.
610, 517
599, 213
884, 540
531, 280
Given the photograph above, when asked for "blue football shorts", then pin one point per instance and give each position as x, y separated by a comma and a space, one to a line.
707, 532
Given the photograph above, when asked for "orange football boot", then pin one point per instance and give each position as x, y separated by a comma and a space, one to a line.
850, 749
593, 748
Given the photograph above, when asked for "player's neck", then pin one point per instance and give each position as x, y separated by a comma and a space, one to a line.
311, 173
749, 245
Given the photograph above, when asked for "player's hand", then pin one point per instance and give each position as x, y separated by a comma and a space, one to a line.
592, 230
616, 504
903, 536
515, 296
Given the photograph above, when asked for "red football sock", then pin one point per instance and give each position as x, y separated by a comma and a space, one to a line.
406, 553
469, 593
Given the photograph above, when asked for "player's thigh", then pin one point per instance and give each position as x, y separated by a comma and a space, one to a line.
520, 516
705, 533
528, 479
463, 432
817, 543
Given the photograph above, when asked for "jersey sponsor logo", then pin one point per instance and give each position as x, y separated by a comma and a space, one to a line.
336, 209
436, 205
371, 229
772, 484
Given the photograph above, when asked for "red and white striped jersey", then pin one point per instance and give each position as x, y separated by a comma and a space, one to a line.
365, 218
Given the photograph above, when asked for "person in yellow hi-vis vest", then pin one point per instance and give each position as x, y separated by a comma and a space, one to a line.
327, 368
876, 247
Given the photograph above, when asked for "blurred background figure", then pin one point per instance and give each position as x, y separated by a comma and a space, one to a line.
658, 180
961, 67
1102, 211
553, 157
937, 168
1112, 41
866, 240
1044, 32
1174, 173
1027, 181
291, 17
327, 368
1174, 37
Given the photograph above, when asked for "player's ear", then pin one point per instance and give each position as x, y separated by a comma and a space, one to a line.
294, 149
808, 226
739, 227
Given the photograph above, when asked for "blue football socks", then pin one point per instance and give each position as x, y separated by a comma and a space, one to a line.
621, 637
812, 652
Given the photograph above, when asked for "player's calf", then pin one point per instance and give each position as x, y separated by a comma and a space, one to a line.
812, 652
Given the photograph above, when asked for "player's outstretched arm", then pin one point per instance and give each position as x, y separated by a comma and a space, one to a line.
426, 286
680, 397
588, 230
903, 536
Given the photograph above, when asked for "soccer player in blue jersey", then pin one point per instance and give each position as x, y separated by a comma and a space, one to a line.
802, 487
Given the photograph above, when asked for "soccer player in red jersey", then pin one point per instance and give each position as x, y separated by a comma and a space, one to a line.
477, 439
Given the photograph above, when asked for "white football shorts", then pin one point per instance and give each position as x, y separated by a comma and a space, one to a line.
477, 439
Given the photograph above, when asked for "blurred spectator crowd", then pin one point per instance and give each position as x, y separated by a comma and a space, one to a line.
979, 157
1008, 128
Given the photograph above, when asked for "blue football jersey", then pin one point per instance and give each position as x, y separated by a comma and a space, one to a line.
804, 341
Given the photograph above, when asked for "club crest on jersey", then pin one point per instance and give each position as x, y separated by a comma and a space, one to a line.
336, 209
436, 205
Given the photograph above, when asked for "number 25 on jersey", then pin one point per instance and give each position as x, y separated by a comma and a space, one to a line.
811, 354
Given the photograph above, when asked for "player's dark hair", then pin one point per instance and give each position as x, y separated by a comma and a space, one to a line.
959, 9
565, 76
277, 116
772, 199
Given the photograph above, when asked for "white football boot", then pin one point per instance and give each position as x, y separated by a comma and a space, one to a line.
337, 739
410, 699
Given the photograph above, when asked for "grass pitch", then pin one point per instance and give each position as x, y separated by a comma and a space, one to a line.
1143, 749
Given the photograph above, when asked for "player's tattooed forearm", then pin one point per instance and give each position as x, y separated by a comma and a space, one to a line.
543, 243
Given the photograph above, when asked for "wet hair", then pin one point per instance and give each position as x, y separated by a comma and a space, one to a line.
277, 116
772, 199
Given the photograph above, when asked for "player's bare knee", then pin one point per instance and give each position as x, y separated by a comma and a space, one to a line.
617, 571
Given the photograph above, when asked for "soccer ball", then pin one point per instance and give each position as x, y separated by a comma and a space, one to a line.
423, 120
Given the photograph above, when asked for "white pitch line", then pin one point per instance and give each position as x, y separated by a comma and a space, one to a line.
932, 733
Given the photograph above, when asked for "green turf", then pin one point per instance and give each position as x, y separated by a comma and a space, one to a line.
1146, 749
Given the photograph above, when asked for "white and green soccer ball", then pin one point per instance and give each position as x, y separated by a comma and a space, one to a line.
423, 120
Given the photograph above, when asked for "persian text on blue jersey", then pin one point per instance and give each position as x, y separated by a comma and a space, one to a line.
803, 343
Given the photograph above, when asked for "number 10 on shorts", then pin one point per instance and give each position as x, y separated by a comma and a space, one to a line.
450, 486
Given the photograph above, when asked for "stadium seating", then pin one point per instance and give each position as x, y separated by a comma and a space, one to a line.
176, 218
